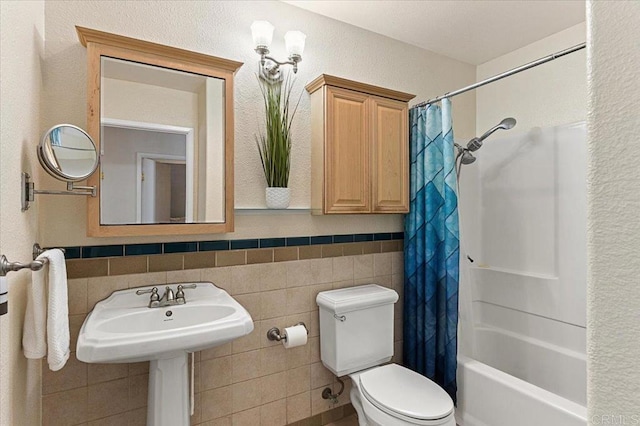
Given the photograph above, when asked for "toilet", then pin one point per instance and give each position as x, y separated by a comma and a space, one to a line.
356, 339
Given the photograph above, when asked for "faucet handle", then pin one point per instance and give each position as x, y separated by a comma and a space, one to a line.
180, 292
154, 294
154, 301
153, 291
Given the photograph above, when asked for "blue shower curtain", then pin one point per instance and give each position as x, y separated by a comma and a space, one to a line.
432, 249
56, 139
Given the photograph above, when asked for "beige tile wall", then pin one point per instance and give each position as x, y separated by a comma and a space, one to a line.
250, 381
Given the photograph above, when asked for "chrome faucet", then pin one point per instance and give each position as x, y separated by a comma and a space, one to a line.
169, 298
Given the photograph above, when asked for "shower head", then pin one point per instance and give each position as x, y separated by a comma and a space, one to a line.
467, 157
506, 124
464, 155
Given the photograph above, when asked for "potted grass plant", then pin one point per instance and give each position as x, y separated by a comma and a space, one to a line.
274, 145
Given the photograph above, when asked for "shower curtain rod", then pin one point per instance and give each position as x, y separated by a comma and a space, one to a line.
511, 72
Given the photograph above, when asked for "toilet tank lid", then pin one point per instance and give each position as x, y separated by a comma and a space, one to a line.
355, 298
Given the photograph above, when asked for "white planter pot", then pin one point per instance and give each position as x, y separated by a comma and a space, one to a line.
278, 198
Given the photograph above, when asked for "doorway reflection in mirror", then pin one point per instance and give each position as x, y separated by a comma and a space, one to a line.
162, 145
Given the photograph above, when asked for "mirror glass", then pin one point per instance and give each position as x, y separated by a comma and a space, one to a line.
68, 153
162, 145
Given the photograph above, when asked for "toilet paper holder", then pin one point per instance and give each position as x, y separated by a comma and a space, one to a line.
274, 333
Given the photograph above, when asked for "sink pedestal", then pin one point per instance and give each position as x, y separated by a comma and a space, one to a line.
168, 403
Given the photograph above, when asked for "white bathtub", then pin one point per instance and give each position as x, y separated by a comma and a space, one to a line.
489, 396
551, 367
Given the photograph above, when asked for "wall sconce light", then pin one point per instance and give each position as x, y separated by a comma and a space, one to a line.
262, 32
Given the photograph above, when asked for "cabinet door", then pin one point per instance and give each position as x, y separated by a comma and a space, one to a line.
390, 156
347, 177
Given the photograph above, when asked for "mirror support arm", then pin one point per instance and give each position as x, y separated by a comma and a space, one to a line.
88, 190
28, 191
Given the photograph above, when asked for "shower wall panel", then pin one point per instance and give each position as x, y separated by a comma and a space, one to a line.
531, 255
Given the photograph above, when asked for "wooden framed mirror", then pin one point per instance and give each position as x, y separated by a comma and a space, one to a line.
162, 121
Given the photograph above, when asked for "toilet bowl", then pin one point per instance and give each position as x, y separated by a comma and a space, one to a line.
392, 395
356, 339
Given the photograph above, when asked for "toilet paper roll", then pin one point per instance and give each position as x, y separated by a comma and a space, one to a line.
296, 336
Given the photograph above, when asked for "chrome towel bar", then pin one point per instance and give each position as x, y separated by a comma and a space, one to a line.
35, 265
37, 250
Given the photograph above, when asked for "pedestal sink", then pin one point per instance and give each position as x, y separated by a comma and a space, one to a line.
122, 328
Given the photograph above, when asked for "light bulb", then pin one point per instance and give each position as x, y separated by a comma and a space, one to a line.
294, 41
262, 32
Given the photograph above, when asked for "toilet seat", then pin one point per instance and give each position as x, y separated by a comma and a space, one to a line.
405, 395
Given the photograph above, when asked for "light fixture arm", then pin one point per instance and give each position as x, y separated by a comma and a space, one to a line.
293, 60
270, 66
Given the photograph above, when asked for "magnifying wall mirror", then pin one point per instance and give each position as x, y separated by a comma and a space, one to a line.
68, 154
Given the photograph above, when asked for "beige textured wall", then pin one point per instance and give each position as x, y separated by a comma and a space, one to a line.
133, 101
613, 313
21, 48
250, 381
548, 95
221, 28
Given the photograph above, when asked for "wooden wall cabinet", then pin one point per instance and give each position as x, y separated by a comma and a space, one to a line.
360, 147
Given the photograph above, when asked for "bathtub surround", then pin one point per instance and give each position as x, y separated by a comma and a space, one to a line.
527, 278
613, 293
249, 381
549, 95
524, 309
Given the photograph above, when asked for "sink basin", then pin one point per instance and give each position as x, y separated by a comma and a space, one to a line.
151, 322
122, 328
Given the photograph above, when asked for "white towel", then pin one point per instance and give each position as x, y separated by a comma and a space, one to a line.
50, 317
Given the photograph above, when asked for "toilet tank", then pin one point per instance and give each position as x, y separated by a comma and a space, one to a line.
356, 327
